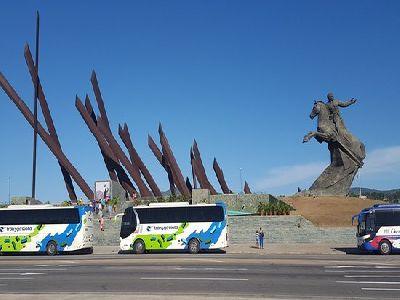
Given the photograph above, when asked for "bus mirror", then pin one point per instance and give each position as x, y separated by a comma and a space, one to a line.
352, 219
116, 216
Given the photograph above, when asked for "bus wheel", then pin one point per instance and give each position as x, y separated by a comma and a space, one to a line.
51, 248
194, 246
385, 247
139, 247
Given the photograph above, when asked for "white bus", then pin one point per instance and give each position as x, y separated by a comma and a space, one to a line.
174, 226
45, 228
378, 228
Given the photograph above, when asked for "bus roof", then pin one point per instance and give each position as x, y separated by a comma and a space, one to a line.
373, 208
158, 204
387, 205
380, 207
39, 206
175, 204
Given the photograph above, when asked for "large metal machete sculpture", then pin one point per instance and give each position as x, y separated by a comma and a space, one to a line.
46, 137
221, 178
49, 121
135, 158
200, 171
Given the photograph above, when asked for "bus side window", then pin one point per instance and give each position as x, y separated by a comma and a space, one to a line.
386, 218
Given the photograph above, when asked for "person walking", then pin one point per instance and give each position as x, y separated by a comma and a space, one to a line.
261, 238
257, 239
101, 219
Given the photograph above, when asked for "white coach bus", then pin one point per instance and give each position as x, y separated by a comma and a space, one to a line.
378, 228
45, 228
174, 226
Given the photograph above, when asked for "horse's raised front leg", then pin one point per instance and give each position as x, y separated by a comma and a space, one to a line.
309, 136
319, 136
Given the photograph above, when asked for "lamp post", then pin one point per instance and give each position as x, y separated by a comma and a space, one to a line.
241, 184
35, 123
9, 189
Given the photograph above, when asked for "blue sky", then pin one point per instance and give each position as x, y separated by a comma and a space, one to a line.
238, 76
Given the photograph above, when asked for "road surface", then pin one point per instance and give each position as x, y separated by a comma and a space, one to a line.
152, 276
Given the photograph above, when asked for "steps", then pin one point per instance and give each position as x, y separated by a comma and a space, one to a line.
285, 229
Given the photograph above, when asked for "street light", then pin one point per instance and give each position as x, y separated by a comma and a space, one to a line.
241, 184
9, 189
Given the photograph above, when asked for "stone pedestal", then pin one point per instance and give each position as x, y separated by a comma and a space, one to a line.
337, 178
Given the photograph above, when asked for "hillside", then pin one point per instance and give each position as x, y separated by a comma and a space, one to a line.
390, 195
328, 211
356, 190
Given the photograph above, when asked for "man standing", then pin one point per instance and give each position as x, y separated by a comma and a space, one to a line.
261, 238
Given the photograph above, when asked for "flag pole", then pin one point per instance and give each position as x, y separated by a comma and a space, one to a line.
35, 108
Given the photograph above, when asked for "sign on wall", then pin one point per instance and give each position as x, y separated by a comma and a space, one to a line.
102, 190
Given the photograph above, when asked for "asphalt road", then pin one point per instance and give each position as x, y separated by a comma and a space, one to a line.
198, 276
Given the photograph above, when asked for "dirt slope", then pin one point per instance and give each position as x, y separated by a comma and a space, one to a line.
328, 211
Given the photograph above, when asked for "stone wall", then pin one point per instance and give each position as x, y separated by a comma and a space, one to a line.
238, 202
22, 200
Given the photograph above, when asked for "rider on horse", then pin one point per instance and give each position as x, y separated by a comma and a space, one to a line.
333, 105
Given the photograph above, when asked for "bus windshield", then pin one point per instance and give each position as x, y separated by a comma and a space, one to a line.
366, 224
361, 225
128, 224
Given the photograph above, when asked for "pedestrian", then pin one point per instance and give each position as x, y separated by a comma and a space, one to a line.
257, 239
101, 219
99, 207
261, 238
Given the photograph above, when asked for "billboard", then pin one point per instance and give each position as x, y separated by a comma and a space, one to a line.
102, 190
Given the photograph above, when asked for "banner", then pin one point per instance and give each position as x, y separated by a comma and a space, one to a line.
103, 190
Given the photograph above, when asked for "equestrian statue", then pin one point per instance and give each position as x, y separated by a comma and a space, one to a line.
346, 151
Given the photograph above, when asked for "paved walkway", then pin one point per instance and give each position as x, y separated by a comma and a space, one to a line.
297, 248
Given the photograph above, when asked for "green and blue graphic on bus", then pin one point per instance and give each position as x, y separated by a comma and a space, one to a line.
173, 226
31, 228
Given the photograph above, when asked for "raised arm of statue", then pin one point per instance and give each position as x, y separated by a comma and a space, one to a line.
346, 103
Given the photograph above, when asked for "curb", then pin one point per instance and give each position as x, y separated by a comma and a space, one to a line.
276, 249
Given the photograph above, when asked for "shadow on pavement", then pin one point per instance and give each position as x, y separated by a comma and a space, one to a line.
351, 250
85, 251
214, 251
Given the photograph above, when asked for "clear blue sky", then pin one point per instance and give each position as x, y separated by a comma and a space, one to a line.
239, 76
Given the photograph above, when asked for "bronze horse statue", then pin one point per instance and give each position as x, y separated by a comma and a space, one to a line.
328, 132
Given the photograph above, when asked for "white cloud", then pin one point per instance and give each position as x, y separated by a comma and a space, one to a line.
382, 161
290, 175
